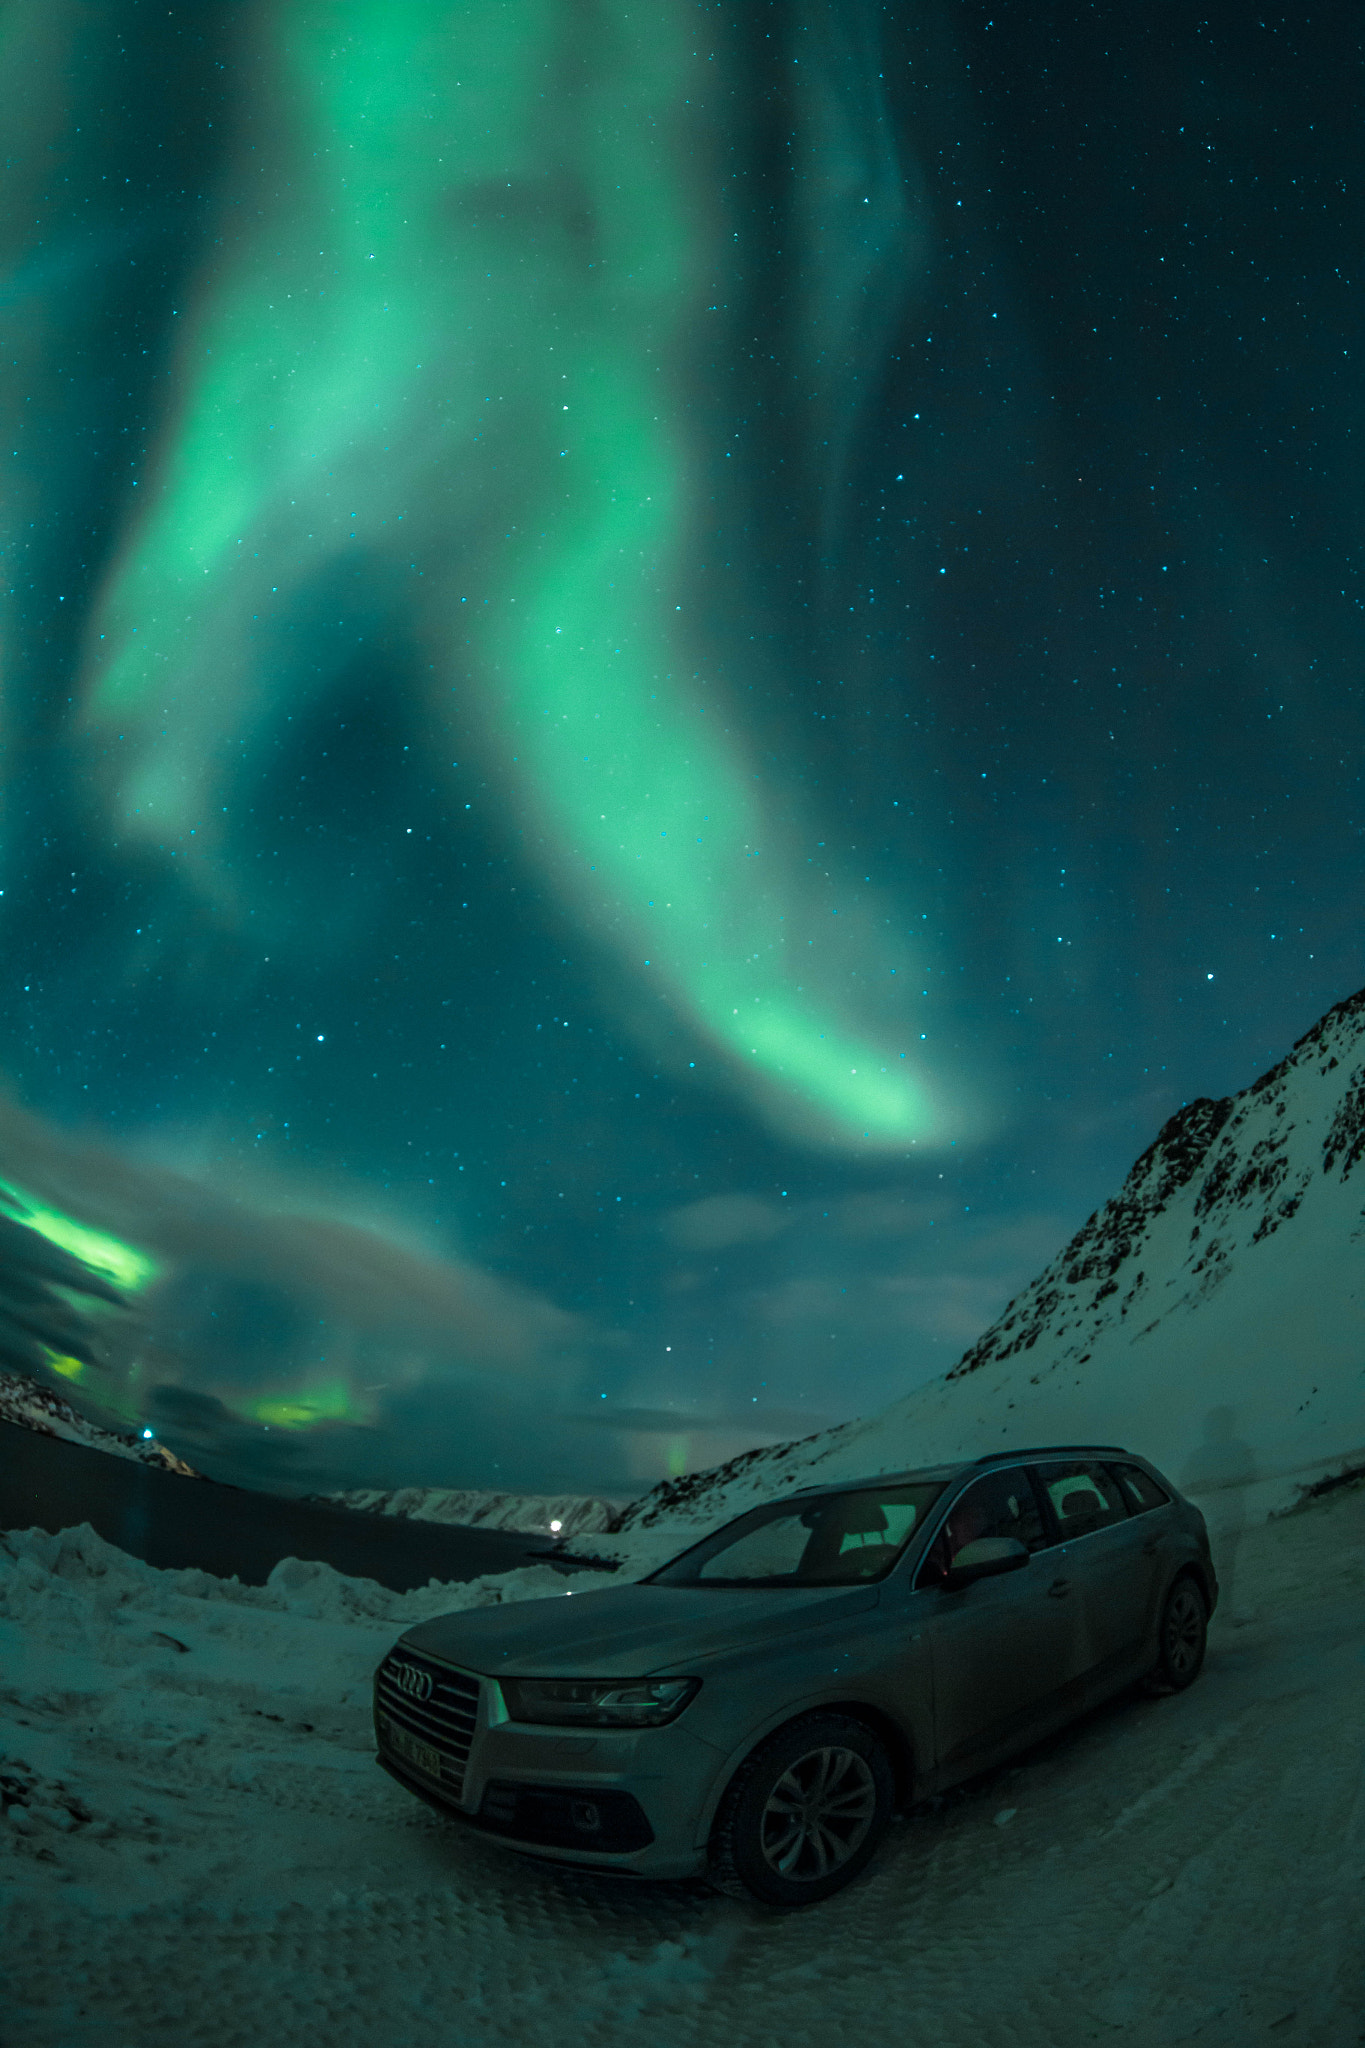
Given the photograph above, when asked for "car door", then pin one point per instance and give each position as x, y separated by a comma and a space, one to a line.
1152, 1532
1003, 1650
1100, 1551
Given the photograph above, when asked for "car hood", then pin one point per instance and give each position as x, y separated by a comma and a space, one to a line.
629, 1631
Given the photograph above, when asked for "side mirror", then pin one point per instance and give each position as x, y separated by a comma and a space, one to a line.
984, 1559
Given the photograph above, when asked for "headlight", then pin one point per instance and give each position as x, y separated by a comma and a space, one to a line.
598, 1702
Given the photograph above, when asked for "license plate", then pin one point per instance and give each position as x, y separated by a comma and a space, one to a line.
420, 1754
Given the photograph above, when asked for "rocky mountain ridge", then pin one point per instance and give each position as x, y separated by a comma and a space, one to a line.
32, 1406
1247, 1162
1210, 1314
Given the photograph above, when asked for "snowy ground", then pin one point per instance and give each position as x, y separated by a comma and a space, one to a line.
199, 1849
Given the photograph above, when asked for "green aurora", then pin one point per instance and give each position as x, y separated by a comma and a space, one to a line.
450, 330
112, 1259
666, 676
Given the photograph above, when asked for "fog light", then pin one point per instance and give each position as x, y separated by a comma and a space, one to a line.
585, 1816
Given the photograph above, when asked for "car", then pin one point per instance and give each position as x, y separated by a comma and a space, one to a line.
757, 1709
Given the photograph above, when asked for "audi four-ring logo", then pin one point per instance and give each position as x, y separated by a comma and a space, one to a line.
416, 1684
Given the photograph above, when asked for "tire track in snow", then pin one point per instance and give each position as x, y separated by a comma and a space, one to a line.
1193, 1765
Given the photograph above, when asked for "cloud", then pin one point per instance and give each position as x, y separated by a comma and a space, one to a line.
720, 1221
881, 1214
220, 1444
759, 1420
950, 1308
281, 1332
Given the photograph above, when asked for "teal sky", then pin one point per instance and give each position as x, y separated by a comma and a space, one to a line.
688, 669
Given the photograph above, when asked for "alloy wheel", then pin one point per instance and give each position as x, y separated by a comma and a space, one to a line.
1184, 1630
818, 1814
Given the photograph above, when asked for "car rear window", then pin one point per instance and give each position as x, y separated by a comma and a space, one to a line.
835, 1539
1084, 1496
1140, 1490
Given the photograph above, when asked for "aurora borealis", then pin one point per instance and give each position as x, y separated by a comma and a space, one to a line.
667, 676
461, 229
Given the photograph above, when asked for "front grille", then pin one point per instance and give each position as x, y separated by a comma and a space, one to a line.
425, 1715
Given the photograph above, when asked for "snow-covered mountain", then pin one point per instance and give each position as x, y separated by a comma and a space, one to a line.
22, 1400
561, 1514
32, 1406
1211, 1315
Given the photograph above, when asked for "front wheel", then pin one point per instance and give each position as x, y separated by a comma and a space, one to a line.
1183, 1637
804, 1814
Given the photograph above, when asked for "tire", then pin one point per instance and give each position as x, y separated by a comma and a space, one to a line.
1183, 1637
804, 1813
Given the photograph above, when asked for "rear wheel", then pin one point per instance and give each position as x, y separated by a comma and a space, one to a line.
804, 1814
1183, 1637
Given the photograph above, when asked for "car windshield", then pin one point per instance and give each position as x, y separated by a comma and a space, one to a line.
834, 1539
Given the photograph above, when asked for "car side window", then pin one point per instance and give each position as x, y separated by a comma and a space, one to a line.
1140, 1491
998, 1504
1083, 1497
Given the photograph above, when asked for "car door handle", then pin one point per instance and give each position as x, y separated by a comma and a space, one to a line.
1059, 1589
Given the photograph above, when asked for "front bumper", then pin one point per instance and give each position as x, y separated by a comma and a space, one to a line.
556, 1792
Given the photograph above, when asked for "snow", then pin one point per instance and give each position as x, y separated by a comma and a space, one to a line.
198, 1849
1210, 1316
36, 1407
199, 1852
566, 1514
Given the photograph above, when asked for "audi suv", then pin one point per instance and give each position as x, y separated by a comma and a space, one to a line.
758, 1708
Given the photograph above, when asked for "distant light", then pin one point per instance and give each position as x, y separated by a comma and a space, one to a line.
149, 1432
555, 1528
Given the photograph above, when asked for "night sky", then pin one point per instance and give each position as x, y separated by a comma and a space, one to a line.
668, 675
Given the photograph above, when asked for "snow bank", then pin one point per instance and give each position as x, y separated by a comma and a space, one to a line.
104, 1659
42, 1576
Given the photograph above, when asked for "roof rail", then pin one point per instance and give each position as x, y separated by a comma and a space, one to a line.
1052, 1451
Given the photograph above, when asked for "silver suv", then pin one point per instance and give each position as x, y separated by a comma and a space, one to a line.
759, 1708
